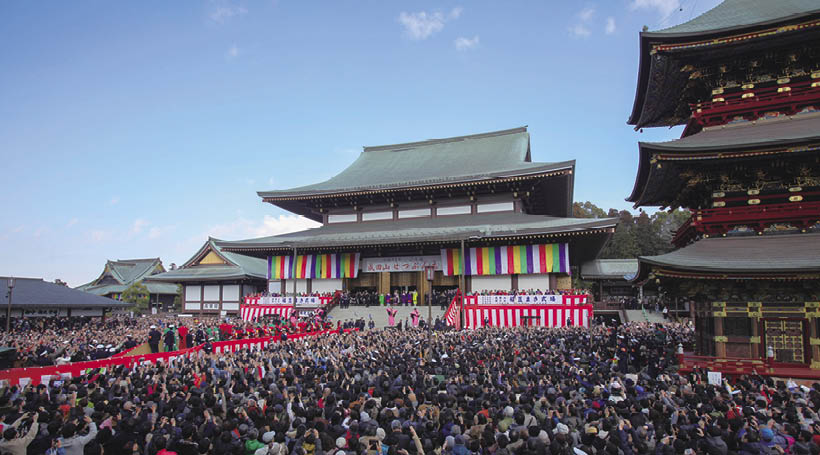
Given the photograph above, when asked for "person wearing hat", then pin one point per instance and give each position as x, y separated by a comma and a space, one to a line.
153, 339
170, 339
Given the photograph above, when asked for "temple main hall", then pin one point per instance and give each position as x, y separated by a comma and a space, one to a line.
477, 209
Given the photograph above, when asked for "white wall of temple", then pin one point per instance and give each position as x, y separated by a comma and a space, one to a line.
480, 283
193, 293
534, 281
326, 285
301, 286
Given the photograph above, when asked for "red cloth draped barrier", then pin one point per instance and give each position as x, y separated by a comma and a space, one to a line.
571, 307
37, 375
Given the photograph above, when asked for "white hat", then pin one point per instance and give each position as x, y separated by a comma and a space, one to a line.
153, 326
99, 346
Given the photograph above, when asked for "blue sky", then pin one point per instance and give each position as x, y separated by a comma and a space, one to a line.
137, 129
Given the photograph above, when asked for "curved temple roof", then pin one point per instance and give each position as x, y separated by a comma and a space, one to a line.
659, 75
764, 254
236, 267
439, 229
483, 156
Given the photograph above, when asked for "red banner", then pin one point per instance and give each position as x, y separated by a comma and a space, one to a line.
37, 375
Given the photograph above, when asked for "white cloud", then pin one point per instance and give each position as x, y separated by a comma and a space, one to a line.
139, 225
610, 26
463, 44
243, 228
232, 52
586, 14
72, 222
579, 31
422, 25
664, 7
158, 231
114, 200
100, 235
223, 11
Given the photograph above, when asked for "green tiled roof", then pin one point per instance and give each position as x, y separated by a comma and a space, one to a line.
654, 185
733, 14
442, 228
437, 161
239, 267
763, 132
153, 288
661, 75
750, 254
124, 273
612, 269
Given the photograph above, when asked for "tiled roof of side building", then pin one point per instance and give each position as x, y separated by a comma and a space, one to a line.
613, 269
34, 292
443, 228
437, 161
237, 266
735, 14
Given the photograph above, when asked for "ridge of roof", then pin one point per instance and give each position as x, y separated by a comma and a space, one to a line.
406, 145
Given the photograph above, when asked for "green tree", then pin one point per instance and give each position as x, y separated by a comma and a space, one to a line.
587, 210
136, 294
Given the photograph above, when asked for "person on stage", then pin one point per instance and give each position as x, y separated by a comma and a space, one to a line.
391, 316
415, 315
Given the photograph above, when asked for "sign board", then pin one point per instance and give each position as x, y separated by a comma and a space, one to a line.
715, 377
401, 264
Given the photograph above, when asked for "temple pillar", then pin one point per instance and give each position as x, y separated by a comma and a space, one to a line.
814, 337
384, 282
720, 339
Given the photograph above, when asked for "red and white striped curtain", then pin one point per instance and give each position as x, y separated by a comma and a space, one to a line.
249, 313
527, 315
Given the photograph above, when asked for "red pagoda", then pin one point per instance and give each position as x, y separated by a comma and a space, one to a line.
744, 79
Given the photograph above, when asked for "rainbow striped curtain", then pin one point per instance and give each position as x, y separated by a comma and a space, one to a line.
336, 265
503, 260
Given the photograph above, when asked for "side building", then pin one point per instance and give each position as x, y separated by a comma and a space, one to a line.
745, 80
474, 208
215, 281
34, 297
119, 275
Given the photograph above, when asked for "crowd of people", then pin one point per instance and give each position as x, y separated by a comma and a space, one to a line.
573, 391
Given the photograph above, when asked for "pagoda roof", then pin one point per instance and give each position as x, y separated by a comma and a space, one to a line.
733, 15
35, 292
234, 267
609, 269
660, 79
120, 274
655, 186
440, 229
476, 157
742, 255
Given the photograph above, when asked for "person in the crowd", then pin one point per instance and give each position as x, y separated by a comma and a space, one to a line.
14, 444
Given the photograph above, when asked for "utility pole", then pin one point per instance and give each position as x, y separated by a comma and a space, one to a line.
8, 310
